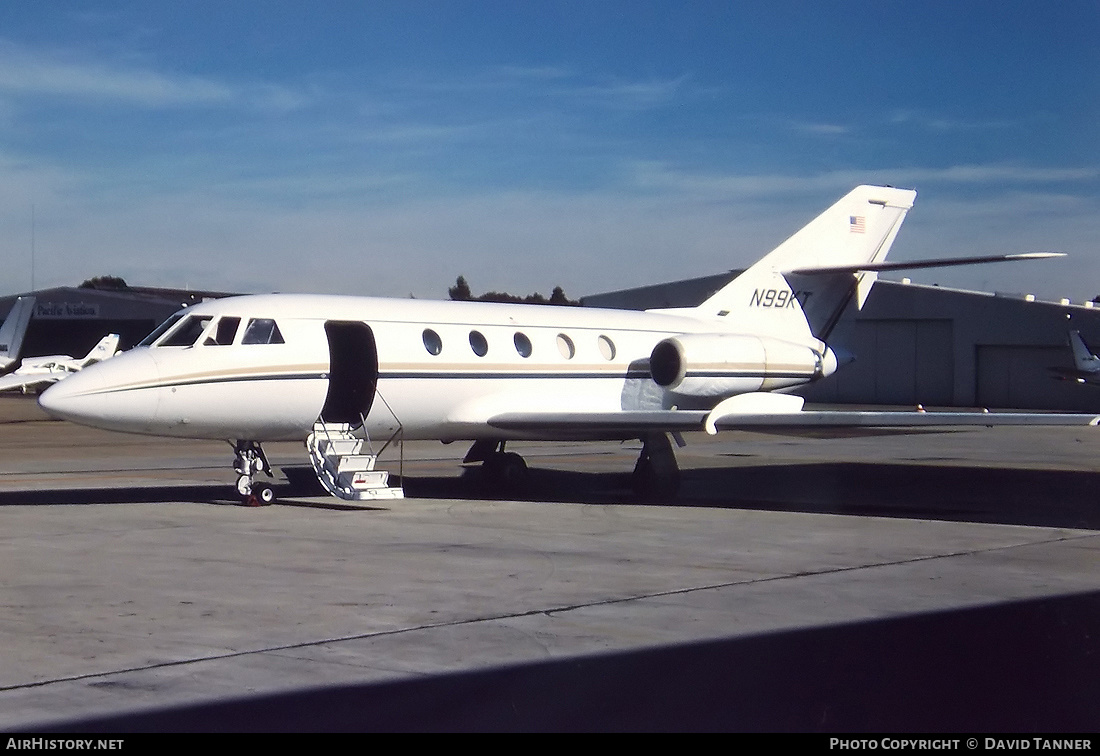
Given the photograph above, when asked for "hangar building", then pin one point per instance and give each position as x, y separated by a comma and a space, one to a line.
913, 343
71, 320
931, 345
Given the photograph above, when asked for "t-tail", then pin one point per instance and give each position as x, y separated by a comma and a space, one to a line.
107, 347
801, 288
13, 330
1083, 358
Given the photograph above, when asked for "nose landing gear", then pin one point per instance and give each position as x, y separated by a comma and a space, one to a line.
249, 461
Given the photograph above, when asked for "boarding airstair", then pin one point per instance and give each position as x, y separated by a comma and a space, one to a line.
344, 463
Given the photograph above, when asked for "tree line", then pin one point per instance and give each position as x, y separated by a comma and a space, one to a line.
461, 292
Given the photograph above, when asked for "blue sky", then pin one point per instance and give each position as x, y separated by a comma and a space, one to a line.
384, 148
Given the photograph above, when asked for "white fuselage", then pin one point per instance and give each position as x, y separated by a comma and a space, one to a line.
437, 369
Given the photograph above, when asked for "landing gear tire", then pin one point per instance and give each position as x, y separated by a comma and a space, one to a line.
263, 493
504, 472
648, 485
656, 475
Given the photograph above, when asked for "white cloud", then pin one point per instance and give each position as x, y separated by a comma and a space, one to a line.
659, 175
70, 75
931, 122
321, 233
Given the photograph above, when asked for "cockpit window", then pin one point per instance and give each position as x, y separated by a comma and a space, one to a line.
187, 332
262, 331
224, 333
161, 329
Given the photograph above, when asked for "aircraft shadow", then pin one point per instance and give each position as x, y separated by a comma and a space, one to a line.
1051, 498
1048, 498
1021, 667
204, 494
214, 495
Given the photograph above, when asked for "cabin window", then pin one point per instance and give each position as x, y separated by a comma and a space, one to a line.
187, 332
161, 329
478, 343
262, 331
432, 342
607, 347
565, 346
523, 344
224, 333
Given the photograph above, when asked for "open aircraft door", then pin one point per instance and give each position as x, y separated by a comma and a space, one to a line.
353, 372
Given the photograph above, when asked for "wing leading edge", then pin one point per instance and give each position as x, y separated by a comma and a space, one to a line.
620, 424
27, 383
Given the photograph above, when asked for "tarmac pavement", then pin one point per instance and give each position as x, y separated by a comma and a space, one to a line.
927, 582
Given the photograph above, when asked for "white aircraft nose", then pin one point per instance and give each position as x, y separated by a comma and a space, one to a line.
117, 394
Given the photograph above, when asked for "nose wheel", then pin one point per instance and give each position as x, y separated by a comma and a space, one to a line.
250, 460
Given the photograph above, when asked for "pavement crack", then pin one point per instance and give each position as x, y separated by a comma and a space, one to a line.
543, 611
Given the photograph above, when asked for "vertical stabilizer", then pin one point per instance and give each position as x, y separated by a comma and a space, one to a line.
770, 298
106, 348
13, 330
1083, 358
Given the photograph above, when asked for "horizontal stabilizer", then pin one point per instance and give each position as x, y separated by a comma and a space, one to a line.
943, 262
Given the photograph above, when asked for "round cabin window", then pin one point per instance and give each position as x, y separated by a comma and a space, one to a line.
565, 346
478, 343
523, 345
432, 342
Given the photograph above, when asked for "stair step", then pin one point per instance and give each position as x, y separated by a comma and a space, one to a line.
366, 479
341, 447
355, 462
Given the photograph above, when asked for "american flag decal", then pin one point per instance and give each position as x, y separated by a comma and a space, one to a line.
857, 224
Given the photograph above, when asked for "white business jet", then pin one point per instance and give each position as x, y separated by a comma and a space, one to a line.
337, 370
35, 372
1086, 365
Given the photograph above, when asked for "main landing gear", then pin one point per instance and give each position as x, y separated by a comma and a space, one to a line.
251, 460
501, 471
656, 474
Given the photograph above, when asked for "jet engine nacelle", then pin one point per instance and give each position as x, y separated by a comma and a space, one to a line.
720, 365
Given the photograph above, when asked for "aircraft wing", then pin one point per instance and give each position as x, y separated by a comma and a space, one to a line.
1071, 374
26, 383
901, 419
625, 424
615, 424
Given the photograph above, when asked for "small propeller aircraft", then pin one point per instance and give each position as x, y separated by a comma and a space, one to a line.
35, 372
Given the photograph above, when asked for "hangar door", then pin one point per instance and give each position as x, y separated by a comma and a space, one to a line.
1019, 377
896, 362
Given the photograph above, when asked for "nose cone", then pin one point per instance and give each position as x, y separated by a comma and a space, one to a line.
117, 394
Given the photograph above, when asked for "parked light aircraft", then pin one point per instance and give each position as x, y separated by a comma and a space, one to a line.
34, 372
13, 330
335, 369
1086, 365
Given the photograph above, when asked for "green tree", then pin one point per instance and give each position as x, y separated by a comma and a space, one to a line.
460, 292
106, 283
